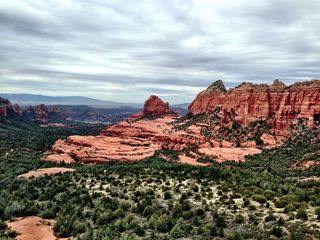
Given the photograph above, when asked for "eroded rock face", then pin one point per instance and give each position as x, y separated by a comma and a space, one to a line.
279, 104
159, 131
137, 138
100, 149
18, 110
129, 140
41, 112
38, 113
155, 106
4, 105
6, 108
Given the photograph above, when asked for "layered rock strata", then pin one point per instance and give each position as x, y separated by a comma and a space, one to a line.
279, 104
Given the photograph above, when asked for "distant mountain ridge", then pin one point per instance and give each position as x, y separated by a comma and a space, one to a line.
61, 113
33, 99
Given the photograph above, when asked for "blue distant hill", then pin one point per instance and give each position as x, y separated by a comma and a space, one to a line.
32, 99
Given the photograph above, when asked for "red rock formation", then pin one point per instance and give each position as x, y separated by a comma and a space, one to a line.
6, 108
100, 149
18, 110
137, 138
41, 112
4, 105
159, 131
155, 106
126, 141
38, 113
132, 139
279, 104
140, 138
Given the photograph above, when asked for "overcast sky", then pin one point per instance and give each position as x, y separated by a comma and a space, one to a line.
125, 50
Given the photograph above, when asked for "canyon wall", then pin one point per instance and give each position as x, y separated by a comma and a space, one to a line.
279, 104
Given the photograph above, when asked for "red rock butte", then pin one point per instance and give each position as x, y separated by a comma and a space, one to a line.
279, 104
155, 106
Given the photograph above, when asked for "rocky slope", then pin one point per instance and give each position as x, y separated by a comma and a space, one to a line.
279, 104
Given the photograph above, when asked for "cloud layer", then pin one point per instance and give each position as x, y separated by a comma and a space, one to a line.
126, 50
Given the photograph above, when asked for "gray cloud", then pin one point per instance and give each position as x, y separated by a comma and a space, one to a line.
126, 50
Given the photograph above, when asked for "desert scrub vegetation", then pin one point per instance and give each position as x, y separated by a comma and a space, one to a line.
262, 198
211, 127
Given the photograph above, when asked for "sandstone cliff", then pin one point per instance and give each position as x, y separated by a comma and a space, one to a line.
279, 104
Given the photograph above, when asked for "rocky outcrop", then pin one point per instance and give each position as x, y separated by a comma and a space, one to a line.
18, 110
136, 138
44, 114
159, 131
38, 113
41, 112
155, 106
279, 104
4, 105
6, 108
100, 149
126, 141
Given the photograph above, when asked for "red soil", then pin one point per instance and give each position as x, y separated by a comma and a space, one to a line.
33, 228
232, 154
46, 171
191, 161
